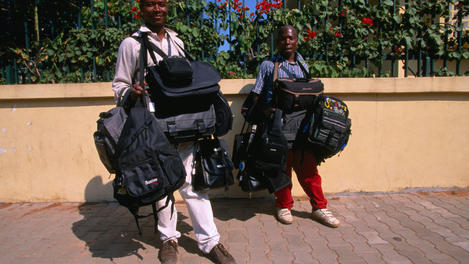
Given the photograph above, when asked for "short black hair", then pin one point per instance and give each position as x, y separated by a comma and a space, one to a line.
285, 27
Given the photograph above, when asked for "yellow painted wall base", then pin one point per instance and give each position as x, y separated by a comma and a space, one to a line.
406, 133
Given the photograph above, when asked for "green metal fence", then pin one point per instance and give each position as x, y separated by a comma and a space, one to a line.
77, 41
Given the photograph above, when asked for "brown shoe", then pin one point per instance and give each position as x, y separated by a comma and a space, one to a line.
220, 255
168, 252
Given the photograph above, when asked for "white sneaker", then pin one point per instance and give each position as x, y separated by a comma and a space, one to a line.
325, 217
284, 216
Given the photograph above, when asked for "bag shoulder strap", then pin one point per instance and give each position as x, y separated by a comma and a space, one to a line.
142, 65
145, 44
305, 72
143, 39
276, 64
302, 67
186, 53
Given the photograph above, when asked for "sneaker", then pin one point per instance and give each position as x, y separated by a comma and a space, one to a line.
325, 217
220, 255
168, 252
284, 216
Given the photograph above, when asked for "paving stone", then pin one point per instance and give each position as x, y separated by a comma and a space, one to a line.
431, 227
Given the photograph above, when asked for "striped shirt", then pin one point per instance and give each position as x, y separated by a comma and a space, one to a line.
286, 70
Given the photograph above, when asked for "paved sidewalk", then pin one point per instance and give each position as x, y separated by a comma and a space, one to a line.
425, 227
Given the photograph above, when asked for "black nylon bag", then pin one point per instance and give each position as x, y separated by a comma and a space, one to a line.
185, 113
149, 167
205, 80
240, 149
296, 94
271, 146
175, 71
213, 166
251, 179
224, 116
276, 180
291, 125
328, 127
188, 126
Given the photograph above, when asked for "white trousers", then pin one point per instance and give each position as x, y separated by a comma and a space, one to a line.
198, 205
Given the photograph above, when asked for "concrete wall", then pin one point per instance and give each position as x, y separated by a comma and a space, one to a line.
406, 133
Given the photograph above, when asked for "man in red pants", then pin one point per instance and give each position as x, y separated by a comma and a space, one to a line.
302, 161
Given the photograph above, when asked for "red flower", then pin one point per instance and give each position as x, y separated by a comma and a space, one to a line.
311, 34
366, 38
330, 28
337, 34
232, 73
368, 21
342, 14
265, 6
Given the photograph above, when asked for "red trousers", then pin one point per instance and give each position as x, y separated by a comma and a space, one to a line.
305, 167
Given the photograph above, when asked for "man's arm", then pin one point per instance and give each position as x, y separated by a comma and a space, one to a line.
126, 68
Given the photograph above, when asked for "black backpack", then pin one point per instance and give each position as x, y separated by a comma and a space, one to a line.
327, 127
148, 166
186, 111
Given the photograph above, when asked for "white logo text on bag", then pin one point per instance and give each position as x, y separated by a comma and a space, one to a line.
152, 181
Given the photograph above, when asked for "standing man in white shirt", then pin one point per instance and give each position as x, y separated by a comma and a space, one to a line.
126, 81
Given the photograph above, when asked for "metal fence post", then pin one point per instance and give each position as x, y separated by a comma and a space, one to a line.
458, 62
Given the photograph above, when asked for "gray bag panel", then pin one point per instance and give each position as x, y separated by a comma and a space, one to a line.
190, 126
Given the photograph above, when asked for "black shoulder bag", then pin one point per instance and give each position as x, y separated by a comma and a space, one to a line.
212, 165
296, 94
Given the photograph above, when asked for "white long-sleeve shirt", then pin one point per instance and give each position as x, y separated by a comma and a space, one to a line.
127, 66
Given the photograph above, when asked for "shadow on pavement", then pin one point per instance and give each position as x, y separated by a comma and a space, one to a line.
245, 209
110, 231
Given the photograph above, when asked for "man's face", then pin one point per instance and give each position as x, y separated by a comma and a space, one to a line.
287, 41
154, 12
